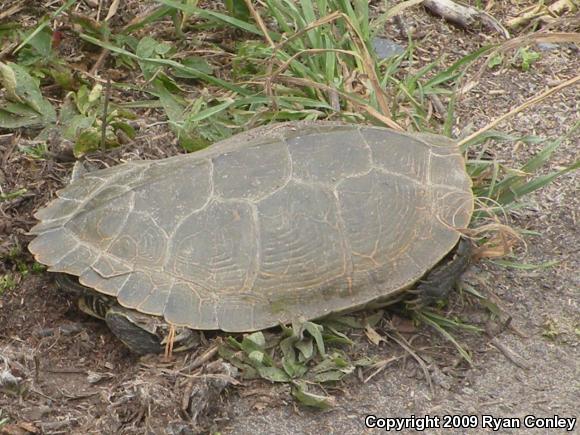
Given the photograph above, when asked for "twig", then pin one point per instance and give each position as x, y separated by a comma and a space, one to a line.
11, 10
100, 60
542, 13
203, 358
260, 22
464, 16
105, 114
169, 344
509, 354
401, 341
380, 366
521, 107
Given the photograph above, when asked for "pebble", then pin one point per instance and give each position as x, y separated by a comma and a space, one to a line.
66, 329
385, 48
35, 413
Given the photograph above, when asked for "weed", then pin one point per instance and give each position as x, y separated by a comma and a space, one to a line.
526, 57
8, 196
300, 356
3, 420
551, 329
7, 282
79, 115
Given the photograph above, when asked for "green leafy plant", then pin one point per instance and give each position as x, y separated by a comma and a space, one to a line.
526, 57
300, 355
83, 111
24, 106
42, 61
551, 329
80, 123
313, 60
3, 420
7, 196
7, 282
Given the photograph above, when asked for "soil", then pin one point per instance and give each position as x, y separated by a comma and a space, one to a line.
63, 372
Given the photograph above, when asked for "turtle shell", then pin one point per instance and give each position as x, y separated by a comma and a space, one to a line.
277, 223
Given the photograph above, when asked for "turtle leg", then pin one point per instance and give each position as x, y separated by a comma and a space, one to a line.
148, 334
437, 283
89, 301
141, 341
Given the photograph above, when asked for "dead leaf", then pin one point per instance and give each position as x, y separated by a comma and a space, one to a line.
113, 9
21, 428
404, 326
373, 336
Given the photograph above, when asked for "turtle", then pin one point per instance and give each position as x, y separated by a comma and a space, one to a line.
291, 221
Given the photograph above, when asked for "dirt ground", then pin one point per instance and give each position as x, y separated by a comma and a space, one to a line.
75, 377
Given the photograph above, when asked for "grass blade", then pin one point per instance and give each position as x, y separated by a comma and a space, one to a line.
167, 62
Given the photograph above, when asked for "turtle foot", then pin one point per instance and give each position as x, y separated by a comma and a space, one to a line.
442, 278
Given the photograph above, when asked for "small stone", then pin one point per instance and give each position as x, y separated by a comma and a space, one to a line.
35, 413
45, 332
548, 46
385, 48
95, 377
70, 328
7, 379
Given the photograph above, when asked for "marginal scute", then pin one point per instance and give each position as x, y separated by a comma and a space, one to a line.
59, 209
109, 286
154, 303
47, 226
51, 246
108, 265
439, 144
449, 171
80, 189
238, 311
135, 289
76, 261
333, 296
451, 208
98, 222
183, 307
